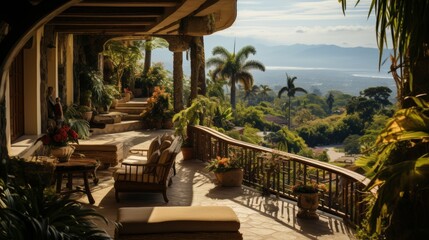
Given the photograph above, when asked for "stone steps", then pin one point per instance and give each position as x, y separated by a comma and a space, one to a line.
124, 117
129, 110
123, 126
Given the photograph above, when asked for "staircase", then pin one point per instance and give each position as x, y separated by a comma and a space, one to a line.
124, 117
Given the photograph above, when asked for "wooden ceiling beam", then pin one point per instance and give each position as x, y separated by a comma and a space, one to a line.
112, 12
103, 21
108, 30
129, 3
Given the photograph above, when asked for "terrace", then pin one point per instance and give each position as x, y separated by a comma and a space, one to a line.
262, 217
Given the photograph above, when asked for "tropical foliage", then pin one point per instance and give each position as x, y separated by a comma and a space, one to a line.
122, 55
28, 212
399, 167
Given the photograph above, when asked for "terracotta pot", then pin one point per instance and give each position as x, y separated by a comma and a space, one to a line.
308, 204
87, 116
188, 153
127, 96
62, 153
231, 178
167, 124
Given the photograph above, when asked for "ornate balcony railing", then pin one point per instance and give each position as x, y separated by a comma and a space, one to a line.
344, 193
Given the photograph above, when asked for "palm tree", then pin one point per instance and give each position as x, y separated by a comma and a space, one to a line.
251, 93
234, 67
291, 91
330, 101
150, 44
264, 89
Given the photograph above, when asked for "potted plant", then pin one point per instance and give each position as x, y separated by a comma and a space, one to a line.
228, 170
200, 111
127, 94
58, 141
86, 112
158, 108
167, 120
112, 94
308, 199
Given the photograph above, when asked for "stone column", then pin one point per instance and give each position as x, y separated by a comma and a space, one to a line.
178, 81
202, 88
178, 44
198, 78
195, 66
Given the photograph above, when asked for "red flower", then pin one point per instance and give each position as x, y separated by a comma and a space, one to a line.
46, 140
59, 136
73, 134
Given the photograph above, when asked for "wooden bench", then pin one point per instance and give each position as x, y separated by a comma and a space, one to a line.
179, 222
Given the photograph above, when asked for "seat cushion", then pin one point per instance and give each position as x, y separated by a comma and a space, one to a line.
140, 220
122, 176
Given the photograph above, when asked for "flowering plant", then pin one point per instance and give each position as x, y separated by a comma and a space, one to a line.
158, 105
59, 137
309, 188
223, 164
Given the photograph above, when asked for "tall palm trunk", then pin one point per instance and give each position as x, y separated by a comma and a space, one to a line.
289, 113
233, 90
147, 56
178, 81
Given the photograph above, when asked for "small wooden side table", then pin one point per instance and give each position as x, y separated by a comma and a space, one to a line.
84, 166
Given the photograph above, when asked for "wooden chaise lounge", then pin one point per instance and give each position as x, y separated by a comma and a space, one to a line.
179, 222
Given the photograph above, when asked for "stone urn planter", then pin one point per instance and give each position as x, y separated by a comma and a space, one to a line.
63, 154
127, 96
230, 178
308, 204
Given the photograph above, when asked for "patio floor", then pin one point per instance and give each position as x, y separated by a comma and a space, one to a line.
261, 217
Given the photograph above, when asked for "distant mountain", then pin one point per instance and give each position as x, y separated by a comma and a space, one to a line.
325, 67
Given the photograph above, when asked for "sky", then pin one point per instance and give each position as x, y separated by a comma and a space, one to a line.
286, 22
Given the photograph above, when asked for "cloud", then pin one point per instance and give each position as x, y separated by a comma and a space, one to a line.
304, 21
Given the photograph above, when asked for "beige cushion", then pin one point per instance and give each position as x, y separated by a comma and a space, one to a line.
141, 220
167, 136
164, 145
154, 145
135, 159
163, 159
120, 176
165, 156
154, 157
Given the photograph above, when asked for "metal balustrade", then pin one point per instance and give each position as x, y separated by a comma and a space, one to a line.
276, 172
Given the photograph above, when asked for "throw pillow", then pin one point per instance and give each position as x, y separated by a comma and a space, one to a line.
154, 145
167, 136
153, 159
164, 145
